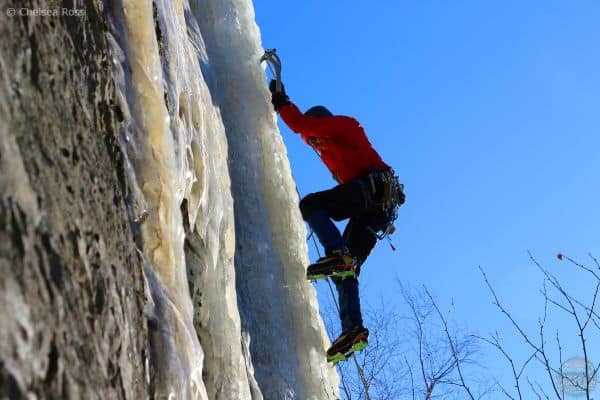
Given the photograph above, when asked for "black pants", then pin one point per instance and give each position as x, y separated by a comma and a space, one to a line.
355, 200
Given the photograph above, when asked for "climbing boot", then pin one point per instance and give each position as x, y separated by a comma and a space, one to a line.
354, 340
340, 263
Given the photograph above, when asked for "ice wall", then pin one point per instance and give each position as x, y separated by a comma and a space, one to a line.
211, 183
159, 181
277, 304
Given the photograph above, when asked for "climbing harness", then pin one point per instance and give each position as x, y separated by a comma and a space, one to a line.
274, 64
392, 197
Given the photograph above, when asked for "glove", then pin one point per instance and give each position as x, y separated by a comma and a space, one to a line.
278, 98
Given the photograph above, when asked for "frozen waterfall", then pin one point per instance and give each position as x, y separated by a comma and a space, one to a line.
231, 315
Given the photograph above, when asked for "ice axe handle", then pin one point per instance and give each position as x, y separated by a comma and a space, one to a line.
274, 62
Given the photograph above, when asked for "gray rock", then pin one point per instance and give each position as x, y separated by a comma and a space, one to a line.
72, 296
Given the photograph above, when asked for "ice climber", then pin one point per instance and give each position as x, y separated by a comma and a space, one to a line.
368, 194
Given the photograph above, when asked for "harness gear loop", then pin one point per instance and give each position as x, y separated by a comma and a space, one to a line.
274, 64
392, 197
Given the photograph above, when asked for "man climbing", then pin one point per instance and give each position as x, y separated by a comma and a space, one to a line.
368, 194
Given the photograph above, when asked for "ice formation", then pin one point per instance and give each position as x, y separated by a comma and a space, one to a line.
231, 315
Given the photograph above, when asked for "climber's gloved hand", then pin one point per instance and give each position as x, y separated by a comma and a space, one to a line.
278, 98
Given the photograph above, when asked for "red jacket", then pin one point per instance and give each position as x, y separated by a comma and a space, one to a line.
340, 142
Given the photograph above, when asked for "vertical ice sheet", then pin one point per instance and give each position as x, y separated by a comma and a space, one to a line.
151, 148
201, 150
178, 156
278, 305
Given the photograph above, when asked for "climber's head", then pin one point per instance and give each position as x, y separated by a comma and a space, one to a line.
318, 111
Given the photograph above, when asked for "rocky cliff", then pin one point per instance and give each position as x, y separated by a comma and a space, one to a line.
72, 294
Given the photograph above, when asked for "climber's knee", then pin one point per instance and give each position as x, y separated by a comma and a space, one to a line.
308, 204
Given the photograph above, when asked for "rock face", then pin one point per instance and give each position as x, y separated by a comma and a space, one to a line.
72, 297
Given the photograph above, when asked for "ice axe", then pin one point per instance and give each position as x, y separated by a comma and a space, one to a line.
274, 64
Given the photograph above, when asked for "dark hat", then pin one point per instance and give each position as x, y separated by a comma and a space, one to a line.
318, 111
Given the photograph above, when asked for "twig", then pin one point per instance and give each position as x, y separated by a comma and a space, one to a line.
573, 312
495, 342
412, 380
452, 345
539, 349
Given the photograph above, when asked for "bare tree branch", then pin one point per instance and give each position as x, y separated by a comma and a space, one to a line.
495, 342
412, 380
452, 344
535, 391
539, 349
573, 311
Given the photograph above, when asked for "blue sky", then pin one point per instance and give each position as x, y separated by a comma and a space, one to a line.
489, 113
